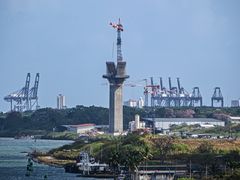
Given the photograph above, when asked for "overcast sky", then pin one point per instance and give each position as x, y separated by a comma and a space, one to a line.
69, 41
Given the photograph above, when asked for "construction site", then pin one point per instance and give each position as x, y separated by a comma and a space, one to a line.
116, 75
155, 94
26, 98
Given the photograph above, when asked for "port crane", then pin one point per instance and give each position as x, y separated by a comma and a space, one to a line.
25, 98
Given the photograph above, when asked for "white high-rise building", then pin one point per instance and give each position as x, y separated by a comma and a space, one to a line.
61, 102
135, 103
235, 103
140, 102
131, 103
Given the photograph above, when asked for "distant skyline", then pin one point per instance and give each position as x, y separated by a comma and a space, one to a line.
68, 43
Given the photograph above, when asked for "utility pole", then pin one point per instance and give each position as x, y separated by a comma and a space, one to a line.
190, 168
206, 172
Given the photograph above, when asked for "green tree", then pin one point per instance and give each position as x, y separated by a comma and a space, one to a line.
205, 147
129, 151
205, 157
232, 159
234, 176
134, 151
162, 147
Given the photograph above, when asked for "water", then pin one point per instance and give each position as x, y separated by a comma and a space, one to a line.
13, 160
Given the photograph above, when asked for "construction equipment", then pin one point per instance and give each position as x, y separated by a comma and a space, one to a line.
196, 97
217, 97
146, 93
22, 97
119, 28
33, 97
116, 75
172, 97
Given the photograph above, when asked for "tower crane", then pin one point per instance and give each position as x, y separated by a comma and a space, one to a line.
146, 93
119, 27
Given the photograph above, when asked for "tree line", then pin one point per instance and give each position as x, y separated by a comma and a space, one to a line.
44, 120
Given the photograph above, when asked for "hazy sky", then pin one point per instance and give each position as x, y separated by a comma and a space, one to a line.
69, 41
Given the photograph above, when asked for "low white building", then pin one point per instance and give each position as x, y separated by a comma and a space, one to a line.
235, 120
136, 124
206, 125
80, 128
165, 123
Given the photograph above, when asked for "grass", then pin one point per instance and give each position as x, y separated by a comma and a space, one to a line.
179, 146
233, 129
61, 135
219, 145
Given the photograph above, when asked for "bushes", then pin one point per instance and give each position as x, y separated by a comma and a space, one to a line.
205, 147
179, 148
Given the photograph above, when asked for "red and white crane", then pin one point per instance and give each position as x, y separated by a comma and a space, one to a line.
119, 28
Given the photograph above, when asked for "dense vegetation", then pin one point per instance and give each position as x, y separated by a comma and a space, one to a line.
218, 158
44, 120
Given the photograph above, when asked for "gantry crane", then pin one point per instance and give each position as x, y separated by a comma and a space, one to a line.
217, 97
23, 98
33, 94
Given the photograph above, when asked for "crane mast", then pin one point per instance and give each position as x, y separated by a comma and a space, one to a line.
119, 28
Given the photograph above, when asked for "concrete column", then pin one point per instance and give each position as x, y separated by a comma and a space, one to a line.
115, 109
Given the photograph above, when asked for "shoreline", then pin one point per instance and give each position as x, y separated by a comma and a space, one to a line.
49, 160
15, 165
46, 159
42, 138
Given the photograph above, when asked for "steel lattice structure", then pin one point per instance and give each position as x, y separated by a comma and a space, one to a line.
25, 98
172, 96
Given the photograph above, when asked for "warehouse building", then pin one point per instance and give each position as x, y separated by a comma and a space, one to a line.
164, 124
235, 120
80, 128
